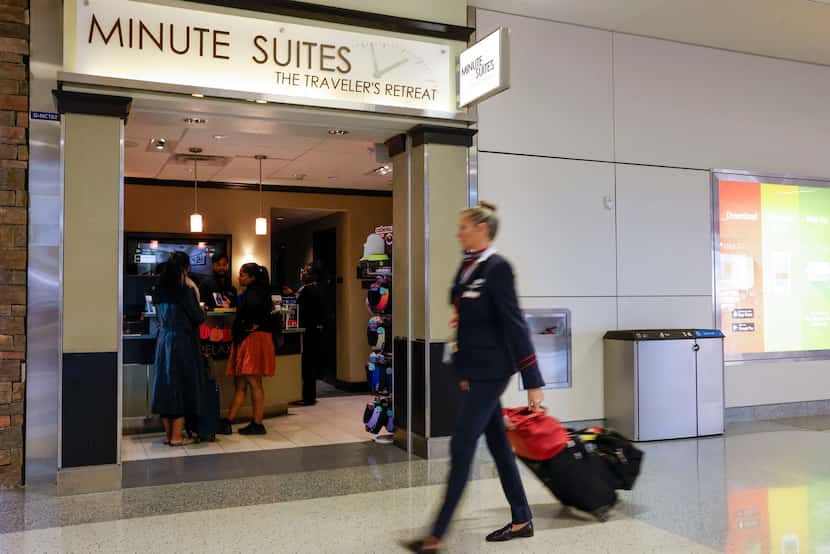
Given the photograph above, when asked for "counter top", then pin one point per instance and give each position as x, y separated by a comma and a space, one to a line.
209, 314
293, 331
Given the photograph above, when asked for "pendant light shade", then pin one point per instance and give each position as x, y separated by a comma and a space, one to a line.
261, 222
196, 225
196, 221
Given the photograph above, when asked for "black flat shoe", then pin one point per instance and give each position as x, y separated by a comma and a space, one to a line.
506, 534
419, 547
253, 429
304, 403
225, 427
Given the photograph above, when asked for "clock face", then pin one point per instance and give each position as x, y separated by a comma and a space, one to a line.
389, 61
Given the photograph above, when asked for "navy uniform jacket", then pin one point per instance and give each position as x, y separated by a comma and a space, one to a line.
493, 338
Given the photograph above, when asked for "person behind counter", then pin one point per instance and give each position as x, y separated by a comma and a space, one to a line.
219, 285
252, 355
180, 375
310, 301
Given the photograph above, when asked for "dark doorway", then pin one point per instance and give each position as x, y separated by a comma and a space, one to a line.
324, 247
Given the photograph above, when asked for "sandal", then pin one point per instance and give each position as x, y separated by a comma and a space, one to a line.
185, 442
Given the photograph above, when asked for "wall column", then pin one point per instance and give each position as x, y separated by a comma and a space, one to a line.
93, 192
430, 189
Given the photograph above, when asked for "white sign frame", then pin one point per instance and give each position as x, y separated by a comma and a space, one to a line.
385, 72
503, 68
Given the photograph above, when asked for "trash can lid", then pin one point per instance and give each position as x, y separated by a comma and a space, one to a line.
664, 334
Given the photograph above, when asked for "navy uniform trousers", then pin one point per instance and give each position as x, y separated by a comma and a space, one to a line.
481, 414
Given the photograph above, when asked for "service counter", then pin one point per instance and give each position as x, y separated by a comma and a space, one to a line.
139, 356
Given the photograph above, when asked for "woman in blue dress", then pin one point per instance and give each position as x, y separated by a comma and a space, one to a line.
180, 374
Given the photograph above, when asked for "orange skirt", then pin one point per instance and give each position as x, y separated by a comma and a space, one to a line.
254, 356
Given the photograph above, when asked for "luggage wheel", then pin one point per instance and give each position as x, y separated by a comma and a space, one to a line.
602, 514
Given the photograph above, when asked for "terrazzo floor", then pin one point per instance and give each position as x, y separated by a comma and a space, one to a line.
762, 488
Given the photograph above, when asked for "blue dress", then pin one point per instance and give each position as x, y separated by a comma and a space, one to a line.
180, 373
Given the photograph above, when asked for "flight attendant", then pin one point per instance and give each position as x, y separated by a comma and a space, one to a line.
493, 343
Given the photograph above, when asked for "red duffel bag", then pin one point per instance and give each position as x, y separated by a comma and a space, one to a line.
534, 435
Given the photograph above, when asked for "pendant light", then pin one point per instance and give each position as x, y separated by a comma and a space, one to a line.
196, 223
261, 222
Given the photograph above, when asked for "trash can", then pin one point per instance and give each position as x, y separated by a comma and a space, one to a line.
664, 383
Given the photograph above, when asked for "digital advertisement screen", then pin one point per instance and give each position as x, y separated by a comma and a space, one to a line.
773, 266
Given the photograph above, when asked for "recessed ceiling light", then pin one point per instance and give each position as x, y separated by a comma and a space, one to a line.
219, 137
197, 95
383, 170
280, 219
195, 120
261, 101
332, 178
338, 132
159, 143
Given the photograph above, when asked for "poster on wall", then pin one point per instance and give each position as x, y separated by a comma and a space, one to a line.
772, 265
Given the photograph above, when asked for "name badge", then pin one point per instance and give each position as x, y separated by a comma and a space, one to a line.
473, 294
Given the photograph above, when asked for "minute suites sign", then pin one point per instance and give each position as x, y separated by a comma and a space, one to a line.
267, 58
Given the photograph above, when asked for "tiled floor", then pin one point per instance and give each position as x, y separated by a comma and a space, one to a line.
332, 421
762, 488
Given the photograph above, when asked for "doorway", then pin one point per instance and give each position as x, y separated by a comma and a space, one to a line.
325, 265
322, 194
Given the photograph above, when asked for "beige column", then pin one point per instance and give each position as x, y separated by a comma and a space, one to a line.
430, 189
93, 188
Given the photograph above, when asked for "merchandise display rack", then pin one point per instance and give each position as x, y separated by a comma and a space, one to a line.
375, 272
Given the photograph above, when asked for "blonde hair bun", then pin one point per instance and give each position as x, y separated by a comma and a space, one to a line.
488, 205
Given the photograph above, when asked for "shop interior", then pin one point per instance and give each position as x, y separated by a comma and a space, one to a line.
291, 191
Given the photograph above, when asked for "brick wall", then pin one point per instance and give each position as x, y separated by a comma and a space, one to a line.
14, 163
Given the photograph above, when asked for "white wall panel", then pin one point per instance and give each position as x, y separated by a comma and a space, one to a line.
773, 382
590, 319
664, 232
555, 227
560, 98
690, 106
666, 312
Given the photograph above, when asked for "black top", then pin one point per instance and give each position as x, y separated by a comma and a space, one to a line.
255, 307
310, 301
188, 315
216, 284
664, 334
493, 338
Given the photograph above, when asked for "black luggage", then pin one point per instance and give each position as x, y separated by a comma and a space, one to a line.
622, 458
206, 426
577, 479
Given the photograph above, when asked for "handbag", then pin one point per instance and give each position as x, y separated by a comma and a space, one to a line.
534, 435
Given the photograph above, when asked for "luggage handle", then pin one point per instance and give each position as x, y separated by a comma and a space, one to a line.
527, 415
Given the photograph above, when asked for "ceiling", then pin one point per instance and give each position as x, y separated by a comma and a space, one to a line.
285, 218
789, 29
300, 152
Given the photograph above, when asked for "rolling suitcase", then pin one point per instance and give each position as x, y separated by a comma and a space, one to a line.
575, 476
577, 479
206, 426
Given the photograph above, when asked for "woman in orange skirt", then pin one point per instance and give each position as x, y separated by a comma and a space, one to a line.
252, 355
